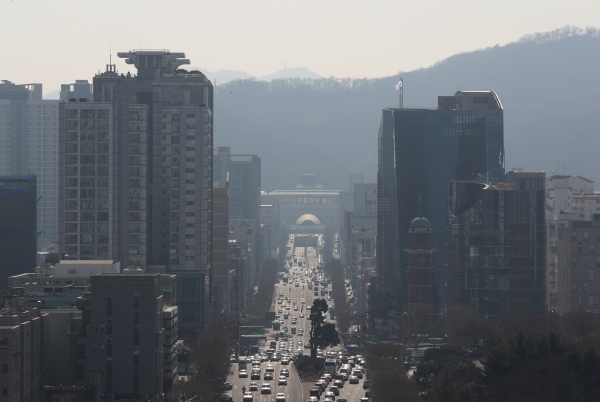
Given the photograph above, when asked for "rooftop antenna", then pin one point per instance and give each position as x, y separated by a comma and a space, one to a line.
420, 206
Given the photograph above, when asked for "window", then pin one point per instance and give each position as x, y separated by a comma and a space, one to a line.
573, 287
88, 114
590, 301
579, 248
584, 287
103, 113
573, 235
585, 235
598, 261
592, 248
574, 261
103, 137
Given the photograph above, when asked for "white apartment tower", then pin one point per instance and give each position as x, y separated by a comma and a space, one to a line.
29, 146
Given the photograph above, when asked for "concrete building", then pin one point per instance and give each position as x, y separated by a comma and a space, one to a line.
568, 199
156, 128
24, 354
18, 230
29, 138
220, 279
136, 167
128, 334
496, 242
578, 260
81, 89
420, 152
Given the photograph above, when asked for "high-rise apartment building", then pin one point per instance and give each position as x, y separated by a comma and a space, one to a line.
578, 259
128, 335
24, 354
496, 248
420, 152
244, 197
29, 146
137, 165
18, 233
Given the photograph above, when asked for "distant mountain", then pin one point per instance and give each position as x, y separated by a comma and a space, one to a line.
225, 76
222, 76
298, 72
548, 85
52, 95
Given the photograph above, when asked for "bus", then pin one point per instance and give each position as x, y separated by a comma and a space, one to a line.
242, 364
353, 350
226, 396
330, 366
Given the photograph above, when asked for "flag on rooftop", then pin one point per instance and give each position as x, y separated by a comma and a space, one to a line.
399, 85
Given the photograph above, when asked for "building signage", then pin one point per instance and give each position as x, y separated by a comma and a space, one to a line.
129, 282
481, 232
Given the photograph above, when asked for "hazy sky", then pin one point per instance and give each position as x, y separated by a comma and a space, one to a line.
56, 42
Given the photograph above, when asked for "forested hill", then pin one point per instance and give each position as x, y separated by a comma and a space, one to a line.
549, 85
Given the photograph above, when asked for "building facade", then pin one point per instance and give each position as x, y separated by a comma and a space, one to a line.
29, 138
24, 354
18, 226
128, 333
136, 169
496, 245
578, 260
420, 151
420, 263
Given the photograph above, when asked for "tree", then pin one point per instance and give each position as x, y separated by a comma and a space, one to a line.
543, 368
387, 372
420, 321
446, 374
582, 324
340, 300
321, 334
380, 305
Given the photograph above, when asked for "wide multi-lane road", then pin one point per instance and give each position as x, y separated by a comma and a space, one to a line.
292, 298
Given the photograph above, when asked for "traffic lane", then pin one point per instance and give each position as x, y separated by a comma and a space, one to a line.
293, 390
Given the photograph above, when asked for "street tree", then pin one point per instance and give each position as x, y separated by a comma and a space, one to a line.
322, 334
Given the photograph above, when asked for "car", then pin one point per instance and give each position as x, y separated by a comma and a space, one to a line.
339, 383
327, 400
232, 359
248, 397
265, 389
270, 368
335, 390
366, 384
243, 374
284, 372
268, 376
367, 393
227, 386
364, 399
275, 358
315, 391
353, 379
285, 361
280, 397
282, 380
330, 395
253, 386
342, 400
358, 373
307, 345
313, 399
255, 375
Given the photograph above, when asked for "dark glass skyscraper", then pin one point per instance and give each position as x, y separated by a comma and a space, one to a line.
496, 249
420, 151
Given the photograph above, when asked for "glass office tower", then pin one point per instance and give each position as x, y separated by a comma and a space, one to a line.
420, 152
496, 248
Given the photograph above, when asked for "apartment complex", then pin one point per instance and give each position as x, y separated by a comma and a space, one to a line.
29, 146
420, 152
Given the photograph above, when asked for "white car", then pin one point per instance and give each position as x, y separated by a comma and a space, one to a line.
282, 380
280, 397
